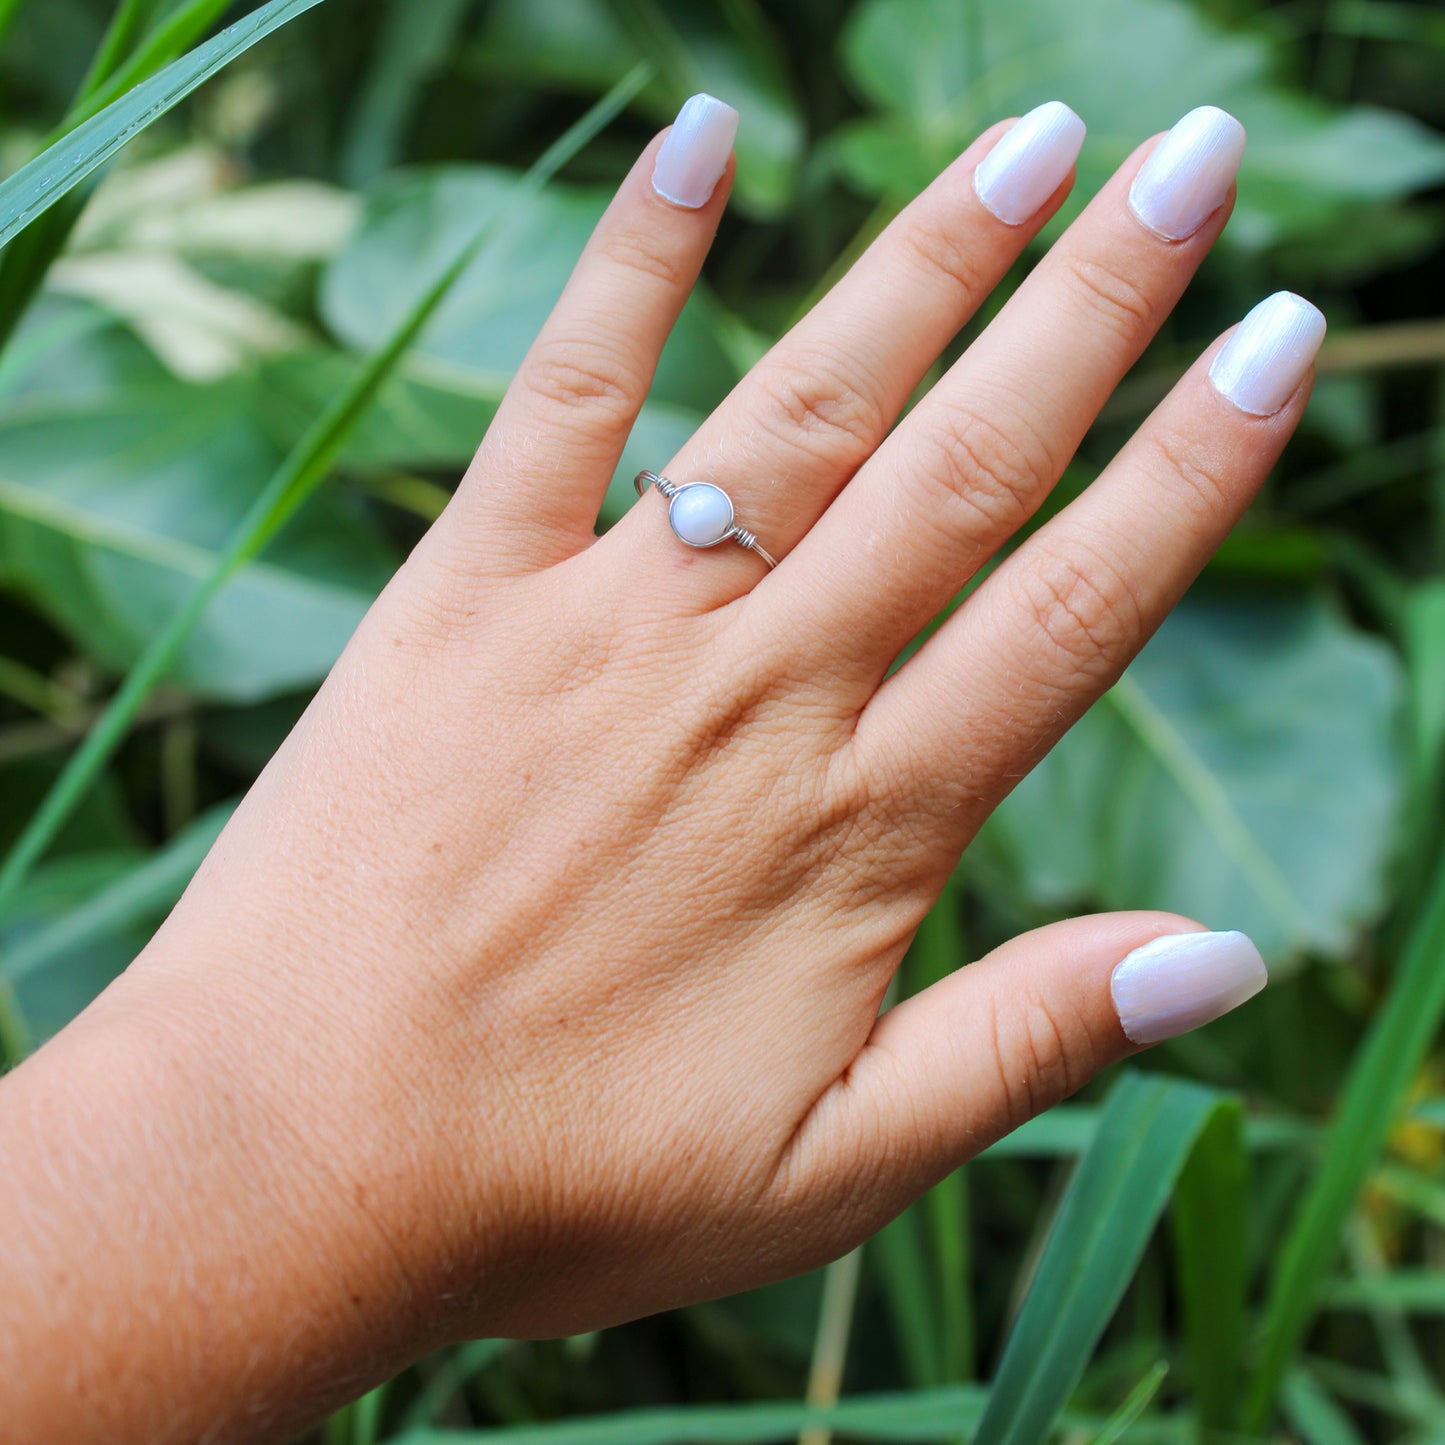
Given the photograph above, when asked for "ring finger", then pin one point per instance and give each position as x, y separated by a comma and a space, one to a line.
816, 407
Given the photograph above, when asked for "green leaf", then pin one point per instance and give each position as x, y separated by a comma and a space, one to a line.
33, 189
1400, 1034
1252, 750
940, 72
1149, 1127
1209, 1217
728, 50
1122, 1421
1413, 1291
414, 219
288, 488
1314, 1415
921, 1415
112, 510
132, 897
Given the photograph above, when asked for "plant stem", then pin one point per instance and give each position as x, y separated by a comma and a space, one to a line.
830, 1345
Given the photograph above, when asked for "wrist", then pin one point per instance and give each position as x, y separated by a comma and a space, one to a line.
162, 1172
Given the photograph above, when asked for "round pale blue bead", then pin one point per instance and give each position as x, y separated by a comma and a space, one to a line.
701, 514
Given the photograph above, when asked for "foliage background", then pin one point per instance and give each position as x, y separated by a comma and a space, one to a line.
1272, 763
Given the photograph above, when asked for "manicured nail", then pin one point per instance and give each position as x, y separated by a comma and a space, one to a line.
1178, 982
695, 153
1266, 358
1029, 162
1189, 173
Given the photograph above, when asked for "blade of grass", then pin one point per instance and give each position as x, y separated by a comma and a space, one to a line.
1209, 1218
177, 31
294, 481
1313, 1413
34, 188
1134, 1405
937, 951
455, 1371
1392, 1329
127, 55
1149, 1128
1374, 1091
830, 1345
941, 1414
126, 27
896, 1253
1411, 1291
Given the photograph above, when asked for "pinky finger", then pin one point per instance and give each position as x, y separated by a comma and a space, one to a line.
1060, 619
568, 410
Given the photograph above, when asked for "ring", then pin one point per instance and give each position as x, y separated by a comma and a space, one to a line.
700, 514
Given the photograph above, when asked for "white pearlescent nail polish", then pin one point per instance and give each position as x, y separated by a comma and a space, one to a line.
1266, 358
1189, 173
695, 153
1029, 162
1182, 980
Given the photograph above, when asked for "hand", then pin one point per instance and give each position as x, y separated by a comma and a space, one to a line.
535, 985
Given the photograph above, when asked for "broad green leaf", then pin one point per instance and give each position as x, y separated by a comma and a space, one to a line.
1399, 1035
123, 908
428, 418
1245, 771
288, 488
33, 189
939, 73
492, 315
112, 510
1148, 1130
728, 50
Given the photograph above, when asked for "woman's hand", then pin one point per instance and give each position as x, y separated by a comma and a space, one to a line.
536, 984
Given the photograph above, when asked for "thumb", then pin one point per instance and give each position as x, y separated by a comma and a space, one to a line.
953, 1068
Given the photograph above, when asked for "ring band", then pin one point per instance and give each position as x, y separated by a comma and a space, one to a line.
701, 514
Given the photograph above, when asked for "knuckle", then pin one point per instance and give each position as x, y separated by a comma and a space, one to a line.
580, 373
1194, 463
989, 472
941, 252
1036, 1054
643, 255
1112, 296
809, 404
1085, 610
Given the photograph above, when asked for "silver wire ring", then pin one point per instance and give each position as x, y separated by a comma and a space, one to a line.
701, 514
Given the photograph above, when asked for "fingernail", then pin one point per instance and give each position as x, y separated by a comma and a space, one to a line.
1189, 173
695, 153
1266, 358
1178, 982
1029, 162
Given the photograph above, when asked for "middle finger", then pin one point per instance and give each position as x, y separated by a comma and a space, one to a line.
982, 450
815, 407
